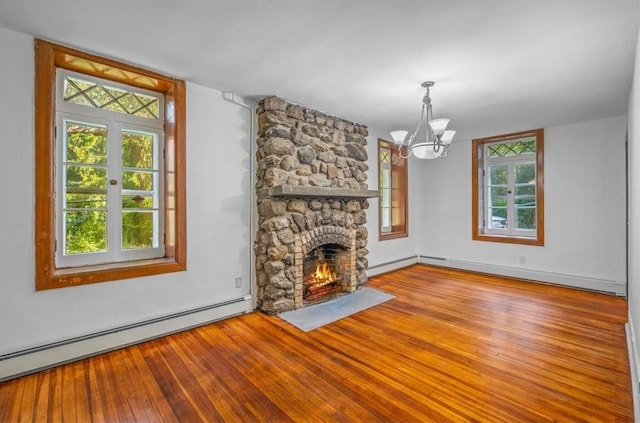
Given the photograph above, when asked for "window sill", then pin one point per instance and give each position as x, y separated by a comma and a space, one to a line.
505, 239
392, 235
73, 276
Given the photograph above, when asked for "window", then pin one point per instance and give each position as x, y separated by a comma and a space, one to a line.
392, 187
508, 188
110, 172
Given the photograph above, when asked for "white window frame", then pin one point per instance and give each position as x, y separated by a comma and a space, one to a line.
115, 122
510, 162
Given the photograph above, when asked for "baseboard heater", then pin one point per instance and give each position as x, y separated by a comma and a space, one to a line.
583, 282
45, 356
389, 266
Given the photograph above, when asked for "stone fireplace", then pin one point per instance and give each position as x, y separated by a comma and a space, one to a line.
312, 201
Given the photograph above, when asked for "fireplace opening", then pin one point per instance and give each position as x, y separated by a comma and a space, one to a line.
325, 273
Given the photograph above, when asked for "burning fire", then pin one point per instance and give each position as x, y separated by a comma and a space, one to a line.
320, 283
323, 275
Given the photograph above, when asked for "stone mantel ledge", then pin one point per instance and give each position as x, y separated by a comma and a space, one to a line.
316, 192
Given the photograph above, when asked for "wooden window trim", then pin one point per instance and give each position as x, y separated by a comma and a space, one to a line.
398, 231
477, 163
48, 57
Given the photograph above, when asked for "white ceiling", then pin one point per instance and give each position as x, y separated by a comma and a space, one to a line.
499, 66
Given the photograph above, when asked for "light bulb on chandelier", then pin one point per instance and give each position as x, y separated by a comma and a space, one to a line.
437, 138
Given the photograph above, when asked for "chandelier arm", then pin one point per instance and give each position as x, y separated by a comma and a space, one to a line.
409, 140
402, 155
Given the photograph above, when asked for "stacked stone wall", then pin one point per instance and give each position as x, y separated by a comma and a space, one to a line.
304, 147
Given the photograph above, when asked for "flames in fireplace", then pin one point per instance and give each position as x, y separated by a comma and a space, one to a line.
322, 281
323, 275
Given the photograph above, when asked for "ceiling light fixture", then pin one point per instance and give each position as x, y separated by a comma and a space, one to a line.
437, 138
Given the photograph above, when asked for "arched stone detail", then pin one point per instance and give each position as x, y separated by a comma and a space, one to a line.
327, 235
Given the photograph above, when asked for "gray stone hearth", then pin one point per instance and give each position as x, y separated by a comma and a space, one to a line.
311, 185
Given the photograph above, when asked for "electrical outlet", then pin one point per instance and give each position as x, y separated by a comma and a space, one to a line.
238, 282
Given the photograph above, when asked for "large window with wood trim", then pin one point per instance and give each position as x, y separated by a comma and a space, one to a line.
110, 176
508, 188
392, 188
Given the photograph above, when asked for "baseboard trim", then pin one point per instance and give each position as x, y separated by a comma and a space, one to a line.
612, 287
379, 269
33, 360
632, 349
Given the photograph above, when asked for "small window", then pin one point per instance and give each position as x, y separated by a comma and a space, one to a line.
110, 147
392, 188
508, 188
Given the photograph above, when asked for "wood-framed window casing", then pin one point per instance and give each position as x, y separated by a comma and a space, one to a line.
48, 58
478, 190
397, 191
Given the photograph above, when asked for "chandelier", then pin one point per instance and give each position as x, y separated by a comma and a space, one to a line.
437, 138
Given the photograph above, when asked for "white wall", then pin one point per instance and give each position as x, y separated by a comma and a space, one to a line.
634, 217
584, 210
218, 220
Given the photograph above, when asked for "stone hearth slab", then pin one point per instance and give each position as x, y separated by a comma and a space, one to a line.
318, 315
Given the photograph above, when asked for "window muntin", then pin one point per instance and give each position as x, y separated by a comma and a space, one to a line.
508, 192
514, 148
392, 187
110, 96
159, 194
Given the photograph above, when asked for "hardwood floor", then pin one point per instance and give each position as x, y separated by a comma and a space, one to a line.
451, 347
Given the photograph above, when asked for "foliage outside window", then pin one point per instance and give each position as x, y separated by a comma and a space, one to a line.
392, 187
508, 188
110, 195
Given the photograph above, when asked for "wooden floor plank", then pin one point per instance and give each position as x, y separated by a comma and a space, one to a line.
451, 347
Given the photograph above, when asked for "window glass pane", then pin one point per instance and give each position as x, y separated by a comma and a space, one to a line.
498, 175
497, 218
86, 179
385, 156
385, 197
137, 180
525, 195
525, 218
137, 229
137, 150
498, 197
85, 232
385, 219
85, 143
385, 178
525, 173
137, 201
